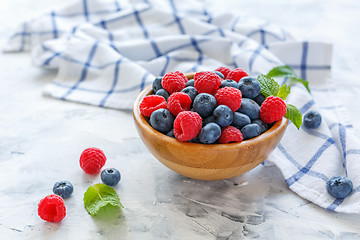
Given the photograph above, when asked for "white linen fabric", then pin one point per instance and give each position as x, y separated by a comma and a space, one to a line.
106, 52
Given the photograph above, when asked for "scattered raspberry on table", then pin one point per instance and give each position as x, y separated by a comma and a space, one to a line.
92, 160
52, 208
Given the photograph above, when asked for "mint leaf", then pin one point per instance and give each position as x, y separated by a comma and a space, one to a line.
284, 91
268, 86
99, 196
281, 71
300, 80
294, 115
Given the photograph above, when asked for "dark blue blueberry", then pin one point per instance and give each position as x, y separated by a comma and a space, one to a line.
163, 92
110, 176
190, 83
208, 119
312, 119
219, 74
191, 91
157, 84
250, 131
204, 104
263, 126
162, 120
63, 188
171, 133
209, 133
249, 87
223, 115
229, 83
240, 120
249, 107
259, 99
339, 187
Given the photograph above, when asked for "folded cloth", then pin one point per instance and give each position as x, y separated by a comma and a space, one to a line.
106, 52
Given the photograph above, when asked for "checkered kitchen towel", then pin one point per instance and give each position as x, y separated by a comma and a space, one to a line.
106, 52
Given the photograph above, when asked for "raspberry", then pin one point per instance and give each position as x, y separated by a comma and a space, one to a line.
52, 208
230, 97
236, 74
224, 70
230, 134
173, 82
272, 109
207, 82
187, 125
92, 160
182, 75
151, 103
178, 102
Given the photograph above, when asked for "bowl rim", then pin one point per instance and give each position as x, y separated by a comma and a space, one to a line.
141, 121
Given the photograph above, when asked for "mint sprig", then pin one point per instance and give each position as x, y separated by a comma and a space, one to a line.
100, 196
286, 71
269, 87
294, 115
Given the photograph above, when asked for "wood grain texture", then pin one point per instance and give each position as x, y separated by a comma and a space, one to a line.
206, 162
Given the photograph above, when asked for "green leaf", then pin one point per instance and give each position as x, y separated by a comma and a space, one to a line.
269, 87
300, 80
284, 91
294, 115
281, 71
100, 196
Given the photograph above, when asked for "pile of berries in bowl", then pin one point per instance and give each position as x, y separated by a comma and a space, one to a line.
209, 125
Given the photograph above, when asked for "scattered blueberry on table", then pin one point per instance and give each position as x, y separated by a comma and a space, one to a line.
312, 119
339, 186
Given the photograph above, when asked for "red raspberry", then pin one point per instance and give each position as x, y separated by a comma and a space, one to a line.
92, 160
151, 103
52, 208
187, 125
207, 82
182, 75
230, 97
224, 70
230, 134
178, 102
173, 82
236, 74
272, 109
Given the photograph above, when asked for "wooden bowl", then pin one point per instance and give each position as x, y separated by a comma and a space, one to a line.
202, 161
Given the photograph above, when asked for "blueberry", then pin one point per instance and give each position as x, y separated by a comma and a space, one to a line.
240, 120
191, 91
210, 133
250, 131
163, 92
219, 74
249, 87
250, 108
204, 104
263, 126
63, 188
157, 84
312, 119
339, 187
110, 176
171, 133
190, 83
162, 120
259, 99
223, 115
208, 119
229, 83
